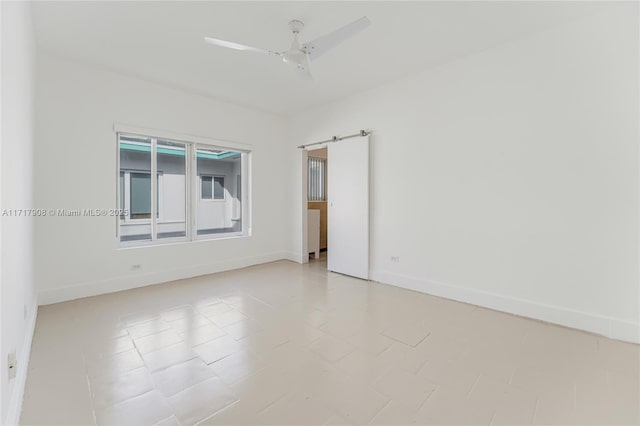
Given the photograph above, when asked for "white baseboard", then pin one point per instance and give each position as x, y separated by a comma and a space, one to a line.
95, 288
15, 402
611, 327
294, 257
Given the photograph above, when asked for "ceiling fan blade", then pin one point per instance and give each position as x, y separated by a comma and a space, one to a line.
318, 47
303, 69
305, 74
238, 46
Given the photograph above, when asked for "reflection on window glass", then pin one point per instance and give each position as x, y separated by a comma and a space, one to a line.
135, 188
172, 193
216, 169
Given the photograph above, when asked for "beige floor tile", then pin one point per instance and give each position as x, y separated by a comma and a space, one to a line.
147, 328
200, 335
108, 347
157, 341
237, 366
299, 345
214, 309
200, 401
179, 377
55, 397
242, 329
405, 387
262, 389
367, 368
111, 389
304, 335
358, 403
337, 420
179, 312
409, 334
512, 406
447, 406
115, 364
453, 374
228, 318
295, 409
139, 317
556, 413
185, 324
236, 414
145, 409
371, 342
331, 348
395, 413
168, 356
169, 421
217, 349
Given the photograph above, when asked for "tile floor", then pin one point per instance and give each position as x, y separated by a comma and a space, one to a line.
289, 344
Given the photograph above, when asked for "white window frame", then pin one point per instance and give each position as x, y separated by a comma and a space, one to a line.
193, 190
127, 197
208, 200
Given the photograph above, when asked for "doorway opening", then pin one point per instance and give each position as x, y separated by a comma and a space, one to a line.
317, 205
335, 205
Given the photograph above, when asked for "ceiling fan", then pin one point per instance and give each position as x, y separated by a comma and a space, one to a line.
298, 54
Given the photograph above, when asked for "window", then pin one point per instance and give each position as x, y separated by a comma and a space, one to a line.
212, 187
135, 193
159, 210
317, 176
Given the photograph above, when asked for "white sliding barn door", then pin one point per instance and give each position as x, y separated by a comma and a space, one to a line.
348, 210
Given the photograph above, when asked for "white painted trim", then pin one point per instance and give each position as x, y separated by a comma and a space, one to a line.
180, 137
95, 288
611, 327
296, 257
15, 403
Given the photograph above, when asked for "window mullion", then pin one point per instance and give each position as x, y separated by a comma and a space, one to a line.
193, 206
154, 183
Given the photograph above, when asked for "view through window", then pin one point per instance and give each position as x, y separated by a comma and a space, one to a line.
197, 192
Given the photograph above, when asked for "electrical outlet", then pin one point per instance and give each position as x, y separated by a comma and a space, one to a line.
12, 365
136, 267
395, 259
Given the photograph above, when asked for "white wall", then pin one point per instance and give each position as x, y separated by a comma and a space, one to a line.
508, 178
75, 161
17, 118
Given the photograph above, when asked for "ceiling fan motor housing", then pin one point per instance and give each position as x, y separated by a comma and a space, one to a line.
296, 26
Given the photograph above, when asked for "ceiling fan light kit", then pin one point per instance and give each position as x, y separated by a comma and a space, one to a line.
299, 56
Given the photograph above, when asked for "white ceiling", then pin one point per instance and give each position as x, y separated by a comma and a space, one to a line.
163, 41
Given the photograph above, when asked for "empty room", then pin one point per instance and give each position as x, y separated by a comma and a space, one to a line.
320, 213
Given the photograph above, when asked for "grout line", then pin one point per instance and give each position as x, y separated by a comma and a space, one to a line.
271, 404
211, 415
379, 411
535, 411
474, 384
493, 416
513, 373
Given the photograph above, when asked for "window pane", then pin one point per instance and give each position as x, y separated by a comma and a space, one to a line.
135, 172
171, 190
218, 188
140, 195
316, 176
121, 190
219, 206
206, 187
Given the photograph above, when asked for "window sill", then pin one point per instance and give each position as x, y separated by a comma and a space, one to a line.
126, 245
